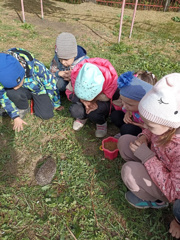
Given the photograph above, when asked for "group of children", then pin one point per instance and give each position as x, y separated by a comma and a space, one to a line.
146, 111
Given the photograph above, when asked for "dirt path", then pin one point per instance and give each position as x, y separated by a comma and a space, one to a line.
83, 20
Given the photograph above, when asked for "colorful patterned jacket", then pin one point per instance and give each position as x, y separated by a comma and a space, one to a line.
38, 79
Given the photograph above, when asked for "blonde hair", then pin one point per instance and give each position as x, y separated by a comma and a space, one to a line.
166, 137
146, 76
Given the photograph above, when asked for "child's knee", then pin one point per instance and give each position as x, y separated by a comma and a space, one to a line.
128, 177
77, 110
124, 141
45, 115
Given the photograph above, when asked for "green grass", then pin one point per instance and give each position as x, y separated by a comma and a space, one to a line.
86, 197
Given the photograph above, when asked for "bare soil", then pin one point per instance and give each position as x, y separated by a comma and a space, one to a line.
87, 19
111, 146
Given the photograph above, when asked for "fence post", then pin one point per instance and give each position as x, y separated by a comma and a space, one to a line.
121, 20
166, 5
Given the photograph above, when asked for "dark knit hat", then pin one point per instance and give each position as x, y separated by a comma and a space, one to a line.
132, 87
11, 71
66, 46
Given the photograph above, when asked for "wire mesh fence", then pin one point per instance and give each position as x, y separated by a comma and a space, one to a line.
157, 5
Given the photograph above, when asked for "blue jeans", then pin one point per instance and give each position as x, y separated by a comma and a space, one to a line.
176, 209
61, 84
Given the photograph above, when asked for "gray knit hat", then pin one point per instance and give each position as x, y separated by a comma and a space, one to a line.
66, 46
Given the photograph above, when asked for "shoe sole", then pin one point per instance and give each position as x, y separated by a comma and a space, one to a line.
145, 207
139, 207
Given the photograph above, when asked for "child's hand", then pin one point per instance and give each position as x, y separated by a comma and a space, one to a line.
142, 139
134, 146
65, 74
128, 117
174, 229
60, 108
18, 124
138, 142
89, 105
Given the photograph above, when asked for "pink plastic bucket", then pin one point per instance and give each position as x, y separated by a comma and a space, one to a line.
107, 153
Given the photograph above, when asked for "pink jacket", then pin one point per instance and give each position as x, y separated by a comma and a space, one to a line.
108, 71
163, 164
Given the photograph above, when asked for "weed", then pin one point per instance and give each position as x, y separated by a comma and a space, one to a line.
176, 19
28, 26
62, 20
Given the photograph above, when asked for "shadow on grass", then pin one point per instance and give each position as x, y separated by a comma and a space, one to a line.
8, 157
33, 6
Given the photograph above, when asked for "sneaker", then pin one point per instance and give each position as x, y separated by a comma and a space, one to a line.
22, 112
117, 136
79, 123
101, 130
139, 203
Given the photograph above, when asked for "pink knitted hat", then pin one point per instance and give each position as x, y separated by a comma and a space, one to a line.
161, 105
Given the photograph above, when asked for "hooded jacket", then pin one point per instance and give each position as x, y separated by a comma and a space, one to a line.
108, 71
162, 163
57, 66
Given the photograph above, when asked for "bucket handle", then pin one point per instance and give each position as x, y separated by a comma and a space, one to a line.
100, 148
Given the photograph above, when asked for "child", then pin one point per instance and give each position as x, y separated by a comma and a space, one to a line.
67, 55
152, 169
132, 89
146, 76
94, 82
22, 77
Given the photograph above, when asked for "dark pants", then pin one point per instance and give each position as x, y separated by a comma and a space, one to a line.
125, 128
61, 84
176, 209
99, 116
43, 107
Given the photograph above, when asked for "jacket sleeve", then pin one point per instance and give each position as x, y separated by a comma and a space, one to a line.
46, 83
147, 133
7, 104
55, 67
52, 91
165, 170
